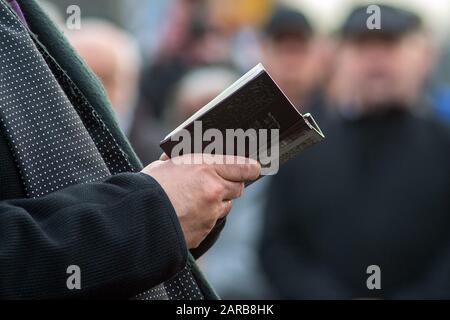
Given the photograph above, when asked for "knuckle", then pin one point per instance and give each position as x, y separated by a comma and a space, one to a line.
215, 192
236, 190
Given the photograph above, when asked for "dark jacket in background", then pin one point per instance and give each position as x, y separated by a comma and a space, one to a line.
376, 192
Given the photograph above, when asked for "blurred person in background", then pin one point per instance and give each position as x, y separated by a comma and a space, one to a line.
199, 33
391, 66
377, 191
188, 42
240, 21
196, 89
114, 57
294, 56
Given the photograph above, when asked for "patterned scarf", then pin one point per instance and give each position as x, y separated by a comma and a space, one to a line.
55, 135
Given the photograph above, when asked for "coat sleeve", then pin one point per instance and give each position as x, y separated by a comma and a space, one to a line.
123, 234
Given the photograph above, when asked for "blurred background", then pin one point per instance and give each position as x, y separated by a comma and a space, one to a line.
161, 60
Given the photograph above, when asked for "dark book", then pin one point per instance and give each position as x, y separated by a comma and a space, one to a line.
251, 118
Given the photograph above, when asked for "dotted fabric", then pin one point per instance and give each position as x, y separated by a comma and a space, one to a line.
49, 139
55, 135
182, 287
114, 157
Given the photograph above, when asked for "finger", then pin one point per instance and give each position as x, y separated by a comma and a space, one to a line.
233, 190
238, 172
164, 157
226, 208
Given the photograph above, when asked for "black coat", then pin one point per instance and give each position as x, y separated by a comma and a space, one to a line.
123, 233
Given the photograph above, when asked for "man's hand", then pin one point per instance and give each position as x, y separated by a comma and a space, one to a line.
200, 193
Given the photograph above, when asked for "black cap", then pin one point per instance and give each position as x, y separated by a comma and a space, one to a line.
394, 22
286, 21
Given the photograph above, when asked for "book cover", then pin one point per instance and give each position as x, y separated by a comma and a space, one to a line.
251, 118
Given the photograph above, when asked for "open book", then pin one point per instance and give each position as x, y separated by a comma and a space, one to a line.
251, 118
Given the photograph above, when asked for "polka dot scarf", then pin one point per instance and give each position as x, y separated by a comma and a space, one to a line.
55, 135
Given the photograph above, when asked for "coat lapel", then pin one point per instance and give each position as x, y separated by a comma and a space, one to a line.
57, 48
